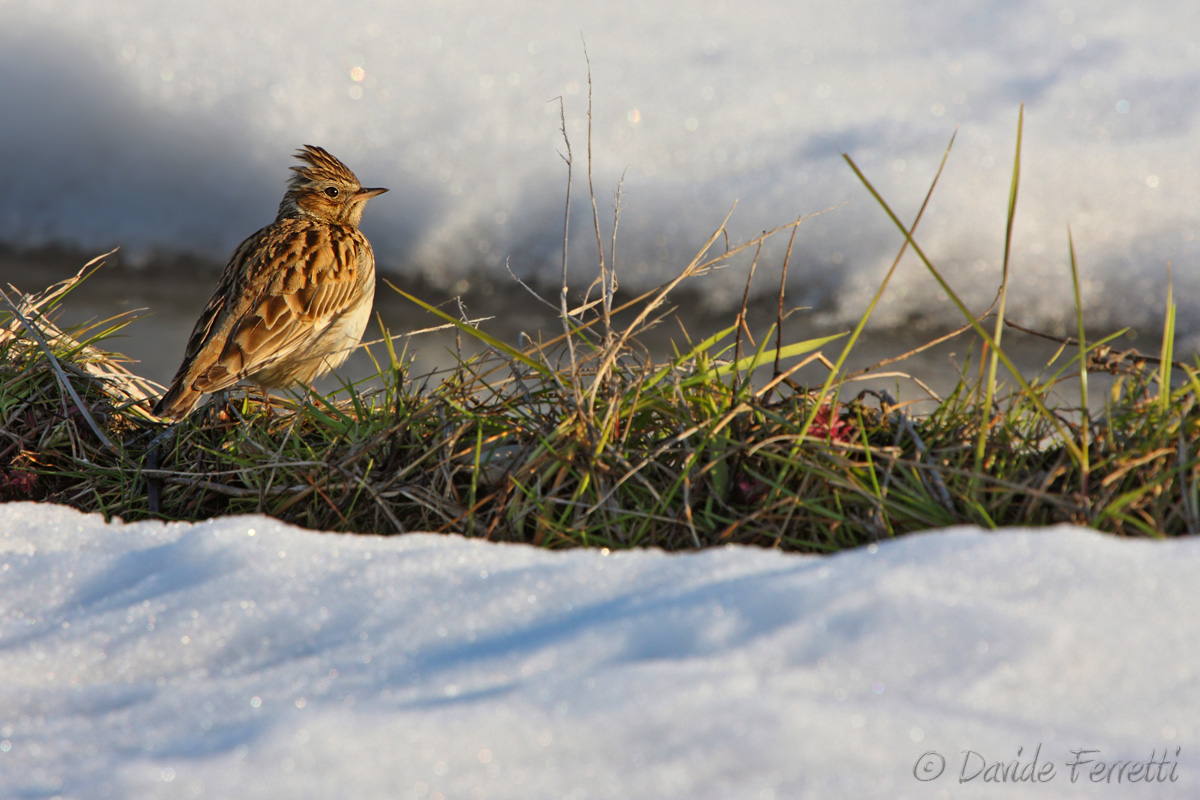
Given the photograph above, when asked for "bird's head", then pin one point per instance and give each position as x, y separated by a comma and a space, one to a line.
326, 189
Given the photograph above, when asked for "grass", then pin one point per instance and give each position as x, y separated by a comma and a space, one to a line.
583, 440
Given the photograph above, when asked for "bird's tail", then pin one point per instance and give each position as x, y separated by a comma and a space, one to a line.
178, 402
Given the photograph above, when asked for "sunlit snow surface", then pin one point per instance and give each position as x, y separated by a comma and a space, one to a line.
168, 128
246, 658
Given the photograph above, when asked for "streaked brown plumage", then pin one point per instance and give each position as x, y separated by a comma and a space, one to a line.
294, 298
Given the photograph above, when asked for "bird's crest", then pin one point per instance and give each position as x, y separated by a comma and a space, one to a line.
321, 166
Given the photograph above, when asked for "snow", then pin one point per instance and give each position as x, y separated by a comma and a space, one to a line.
167, 129
245, 658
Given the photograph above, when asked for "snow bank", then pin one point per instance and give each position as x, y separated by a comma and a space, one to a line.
168, 129
246, 658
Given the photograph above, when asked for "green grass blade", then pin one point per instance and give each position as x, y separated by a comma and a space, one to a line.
1085, 423
1168, 349
761, 357
1071, 446
476, 333
990, 384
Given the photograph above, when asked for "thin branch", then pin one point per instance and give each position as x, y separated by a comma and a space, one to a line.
607, 282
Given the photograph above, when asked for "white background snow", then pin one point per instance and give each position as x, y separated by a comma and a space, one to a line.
245, 658
168, 128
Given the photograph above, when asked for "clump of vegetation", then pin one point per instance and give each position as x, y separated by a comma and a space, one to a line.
583, 440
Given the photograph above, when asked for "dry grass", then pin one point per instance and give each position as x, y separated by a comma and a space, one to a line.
602, 449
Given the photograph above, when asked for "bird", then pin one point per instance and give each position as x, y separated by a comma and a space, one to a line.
295, 297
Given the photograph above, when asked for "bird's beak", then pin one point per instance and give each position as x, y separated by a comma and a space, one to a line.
367, 194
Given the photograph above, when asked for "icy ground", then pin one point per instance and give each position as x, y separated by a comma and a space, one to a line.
245, 658
167, 128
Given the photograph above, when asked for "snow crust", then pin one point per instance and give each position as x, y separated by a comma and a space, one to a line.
245, 658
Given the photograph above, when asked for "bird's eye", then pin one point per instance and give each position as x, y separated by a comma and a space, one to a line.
332, 191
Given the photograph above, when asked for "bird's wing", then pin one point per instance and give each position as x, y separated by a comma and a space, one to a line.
284, 291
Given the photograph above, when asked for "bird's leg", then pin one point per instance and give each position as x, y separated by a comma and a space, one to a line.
265, 403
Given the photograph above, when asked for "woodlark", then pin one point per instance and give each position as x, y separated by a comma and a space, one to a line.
294, 298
